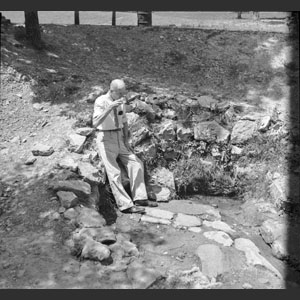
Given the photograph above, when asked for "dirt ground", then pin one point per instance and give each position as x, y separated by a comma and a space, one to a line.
214, 62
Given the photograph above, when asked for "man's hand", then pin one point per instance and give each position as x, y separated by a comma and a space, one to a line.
116, 103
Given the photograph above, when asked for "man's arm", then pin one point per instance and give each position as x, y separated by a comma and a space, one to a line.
100, 113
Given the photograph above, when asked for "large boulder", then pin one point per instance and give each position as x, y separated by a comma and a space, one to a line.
211, 131
94, 250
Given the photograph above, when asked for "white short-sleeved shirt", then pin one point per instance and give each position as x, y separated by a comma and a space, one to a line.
101, 103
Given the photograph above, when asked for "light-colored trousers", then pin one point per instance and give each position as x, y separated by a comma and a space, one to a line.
111, 146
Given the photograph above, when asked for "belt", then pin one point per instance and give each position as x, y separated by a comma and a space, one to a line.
117, 129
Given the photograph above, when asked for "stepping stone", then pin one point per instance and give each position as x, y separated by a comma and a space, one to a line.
159, 213
212, 259
155, 220
222, 226
220, 237
183, 220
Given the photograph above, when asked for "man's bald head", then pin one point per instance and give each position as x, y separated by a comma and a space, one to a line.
117, 84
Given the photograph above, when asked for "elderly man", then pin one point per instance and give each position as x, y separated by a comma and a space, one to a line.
112, 140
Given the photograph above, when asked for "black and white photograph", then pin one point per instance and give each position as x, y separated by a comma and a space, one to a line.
154, 149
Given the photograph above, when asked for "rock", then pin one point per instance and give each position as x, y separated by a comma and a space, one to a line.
76, 143
280, 248
141, 107
30, 160
70, 214
42, 150
155, 220
37, 106
141, 276
67, 199
89, 173
253, 256
247, 286
183, 133
16, 139
166, 131
68, 163
242, 131
95, 251
169, 113
159, 213
190, 208
183, 220
220, 237
271, 230
85, 131
61, 210
78, 187
195, 229
158, 193
164, 177
88, 217
236, 150
147, 150
264, 123
132, 118
102, 235
280, 192
211, 131
212, 259
207, 102
138, 136
219, 225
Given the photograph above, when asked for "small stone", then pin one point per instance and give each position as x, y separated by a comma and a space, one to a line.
55, 216
42, 150
37, 106
67, 199
61, 210
30, 160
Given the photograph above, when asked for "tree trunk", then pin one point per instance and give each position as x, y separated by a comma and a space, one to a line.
32, 27
76, 17
144, 18
113, 21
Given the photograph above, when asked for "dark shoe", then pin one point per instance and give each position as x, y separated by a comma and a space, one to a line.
134, 209
145, 203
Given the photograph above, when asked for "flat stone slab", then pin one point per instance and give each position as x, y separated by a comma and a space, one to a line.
42, 150
183, 220
212, 259
78, 187
219, 237
155, 220
159, 213
219, 225
195, 229
253, 256
191, 208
